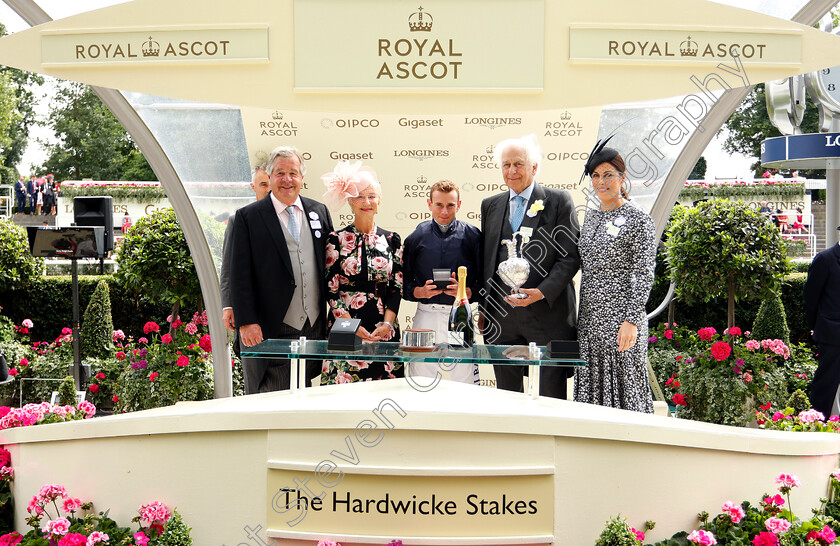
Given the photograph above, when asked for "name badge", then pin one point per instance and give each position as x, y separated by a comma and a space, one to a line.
527, 231
612, 230
315, 224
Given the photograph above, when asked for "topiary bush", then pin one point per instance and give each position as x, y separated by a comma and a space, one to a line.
17, 266
770, 322
97, 325
67, 393
725, 248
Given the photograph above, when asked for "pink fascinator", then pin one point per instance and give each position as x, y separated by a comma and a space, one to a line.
346, 181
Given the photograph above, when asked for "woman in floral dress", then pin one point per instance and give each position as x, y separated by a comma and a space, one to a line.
618, 252
364, 272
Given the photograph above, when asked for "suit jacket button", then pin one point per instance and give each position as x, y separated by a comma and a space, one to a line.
302, 318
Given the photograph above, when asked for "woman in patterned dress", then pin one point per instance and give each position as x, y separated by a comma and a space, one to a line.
364, 272
618, 252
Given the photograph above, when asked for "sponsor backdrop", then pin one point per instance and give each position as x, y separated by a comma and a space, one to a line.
410, 153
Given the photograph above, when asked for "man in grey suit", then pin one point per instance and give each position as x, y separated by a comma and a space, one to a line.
278, 285
822, 312
548, 218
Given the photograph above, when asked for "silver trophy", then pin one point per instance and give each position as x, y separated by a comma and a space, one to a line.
514, 271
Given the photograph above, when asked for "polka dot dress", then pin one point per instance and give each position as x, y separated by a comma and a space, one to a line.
618, 256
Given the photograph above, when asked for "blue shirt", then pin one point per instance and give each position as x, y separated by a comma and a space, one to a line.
428, 248
526, 194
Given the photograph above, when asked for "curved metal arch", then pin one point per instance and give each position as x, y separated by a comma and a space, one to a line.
30, 12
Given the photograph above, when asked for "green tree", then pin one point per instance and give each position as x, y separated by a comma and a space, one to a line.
22, 84
699, 170
17, 266
724, 248
91, 143
97, 324
750, 125
155, 261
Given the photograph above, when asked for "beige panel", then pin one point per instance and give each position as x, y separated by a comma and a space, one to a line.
418, 49
565, 84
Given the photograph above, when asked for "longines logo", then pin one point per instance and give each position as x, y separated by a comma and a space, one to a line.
277, 126
151, 48
492, 123
566, 126
687, 48
421, 55
351, 156
484, 160
421, 155
349, 123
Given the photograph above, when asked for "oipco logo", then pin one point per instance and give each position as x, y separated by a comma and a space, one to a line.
350, 123
567, 156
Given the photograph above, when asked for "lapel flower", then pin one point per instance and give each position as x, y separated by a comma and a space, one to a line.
535, 208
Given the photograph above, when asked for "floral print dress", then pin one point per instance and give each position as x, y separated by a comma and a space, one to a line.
618, 256
364, 278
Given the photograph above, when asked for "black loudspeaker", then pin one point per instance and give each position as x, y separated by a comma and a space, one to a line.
96, 211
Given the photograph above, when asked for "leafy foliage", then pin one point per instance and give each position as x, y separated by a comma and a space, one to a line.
67, 393
17, 266
750, 125
140, 193
724, 248
154, 260
617, 533
97, 324
176, 532
699, 170
770, 190
91, 143
770, 322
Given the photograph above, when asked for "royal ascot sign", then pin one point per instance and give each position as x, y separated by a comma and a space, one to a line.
619, 44
152, 46
424, 47
416, 505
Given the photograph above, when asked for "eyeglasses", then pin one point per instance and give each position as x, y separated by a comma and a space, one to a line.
606, 176
365, 197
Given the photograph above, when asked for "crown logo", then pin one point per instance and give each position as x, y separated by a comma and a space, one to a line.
565, 116
489, 149
420, 22
688, 48
422, 179
151, 48
277, 114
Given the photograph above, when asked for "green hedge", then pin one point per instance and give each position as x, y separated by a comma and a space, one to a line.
48, 302
713, 313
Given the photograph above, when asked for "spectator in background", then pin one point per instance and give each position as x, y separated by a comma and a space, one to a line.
126, 222
30, 194
765, 210
20, 194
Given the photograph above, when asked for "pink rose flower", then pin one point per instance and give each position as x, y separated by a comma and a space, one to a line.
347, 240
332, 285
166, 338
777, 525
702, 537
379, 263
332, 255
343, 377
734, 511
351, 266
358, 300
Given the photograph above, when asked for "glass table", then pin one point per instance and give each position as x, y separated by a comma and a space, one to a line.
533, 356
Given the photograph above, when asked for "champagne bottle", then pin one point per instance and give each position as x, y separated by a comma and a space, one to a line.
460, 317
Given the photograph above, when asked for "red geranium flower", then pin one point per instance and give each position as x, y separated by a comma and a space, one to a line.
94, 388
679, 400
734, 331
150, 327
669, 334
721, 350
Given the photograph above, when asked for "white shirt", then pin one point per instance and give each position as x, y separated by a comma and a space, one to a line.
283, 214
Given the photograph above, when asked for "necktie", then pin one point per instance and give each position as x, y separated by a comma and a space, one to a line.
293, 225
518, 213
